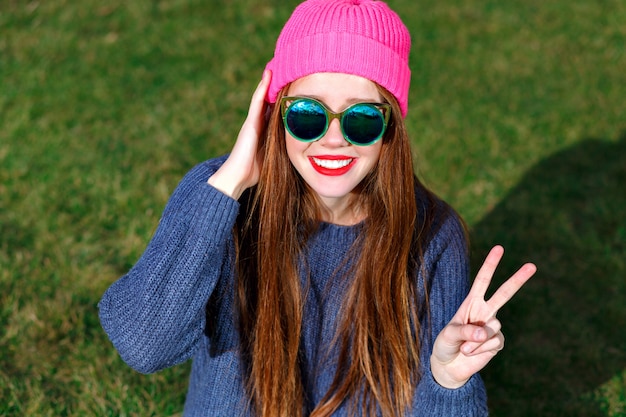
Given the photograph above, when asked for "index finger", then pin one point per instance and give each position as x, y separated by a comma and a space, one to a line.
257, 103
486, 271
511, 286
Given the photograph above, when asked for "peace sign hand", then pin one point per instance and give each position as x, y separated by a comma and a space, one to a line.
473, 336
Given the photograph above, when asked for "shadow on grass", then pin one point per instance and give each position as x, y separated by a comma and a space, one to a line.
565, 328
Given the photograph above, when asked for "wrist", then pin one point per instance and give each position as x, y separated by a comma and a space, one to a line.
443, 377
226, 184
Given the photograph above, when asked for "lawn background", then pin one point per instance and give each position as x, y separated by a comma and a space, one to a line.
517, 117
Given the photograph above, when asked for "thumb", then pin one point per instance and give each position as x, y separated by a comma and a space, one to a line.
454, 335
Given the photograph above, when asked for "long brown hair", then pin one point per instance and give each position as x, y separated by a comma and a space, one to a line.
379, 336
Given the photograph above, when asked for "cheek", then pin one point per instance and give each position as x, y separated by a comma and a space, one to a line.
372, 153
295, 148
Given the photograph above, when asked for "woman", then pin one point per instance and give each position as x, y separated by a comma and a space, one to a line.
309, 272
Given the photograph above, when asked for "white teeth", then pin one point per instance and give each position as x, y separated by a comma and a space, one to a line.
332, 163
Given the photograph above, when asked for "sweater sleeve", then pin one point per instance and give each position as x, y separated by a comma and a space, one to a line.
448, 265
155, 314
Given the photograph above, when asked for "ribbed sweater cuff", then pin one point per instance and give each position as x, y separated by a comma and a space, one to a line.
214, 210
201, 206
460, 402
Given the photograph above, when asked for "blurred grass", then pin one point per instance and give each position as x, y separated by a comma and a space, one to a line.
564, 330
518, 120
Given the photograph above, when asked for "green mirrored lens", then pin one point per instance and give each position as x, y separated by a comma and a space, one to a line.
363, 124
306, 120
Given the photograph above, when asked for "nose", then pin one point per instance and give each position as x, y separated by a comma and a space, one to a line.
333, 136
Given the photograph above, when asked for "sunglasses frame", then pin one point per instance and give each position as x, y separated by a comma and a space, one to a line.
384, 108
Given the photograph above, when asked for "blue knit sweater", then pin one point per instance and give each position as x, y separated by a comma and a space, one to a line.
156, 315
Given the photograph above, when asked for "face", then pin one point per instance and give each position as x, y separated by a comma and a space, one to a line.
332, 166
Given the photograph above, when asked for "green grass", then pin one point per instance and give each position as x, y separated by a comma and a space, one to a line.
518, 119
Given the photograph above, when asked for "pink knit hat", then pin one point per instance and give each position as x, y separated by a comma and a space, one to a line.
359, 37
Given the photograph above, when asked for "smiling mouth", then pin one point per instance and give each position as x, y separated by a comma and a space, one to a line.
332, 163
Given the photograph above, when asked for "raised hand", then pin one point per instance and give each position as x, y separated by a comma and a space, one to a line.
473, 336
241, 170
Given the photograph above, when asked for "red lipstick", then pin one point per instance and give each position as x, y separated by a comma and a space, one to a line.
343, 164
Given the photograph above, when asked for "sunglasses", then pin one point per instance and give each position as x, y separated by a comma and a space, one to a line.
307, 120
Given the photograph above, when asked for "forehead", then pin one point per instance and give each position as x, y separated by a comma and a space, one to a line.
335, 88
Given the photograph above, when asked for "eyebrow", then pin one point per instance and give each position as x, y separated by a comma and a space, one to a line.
348, 102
